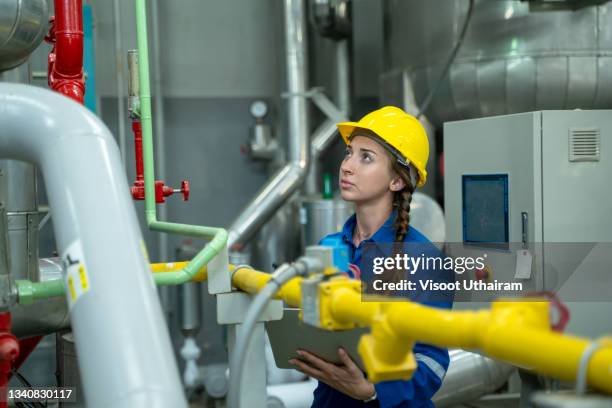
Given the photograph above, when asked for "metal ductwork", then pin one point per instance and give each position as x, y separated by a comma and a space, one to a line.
289, 178
23, 25
469, 377
133, 364
528, 60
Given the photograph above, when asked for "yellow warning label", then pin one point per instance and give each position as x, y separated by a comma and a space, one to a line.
83, 277
77, 279
72, 291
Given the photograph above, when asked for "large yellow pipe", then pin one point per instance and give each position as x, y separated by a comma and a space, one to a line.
252, 281
246, 279
517, 332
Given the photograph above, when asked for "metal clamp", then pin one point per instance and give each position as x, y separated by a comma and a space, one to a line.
581, 376
237, 267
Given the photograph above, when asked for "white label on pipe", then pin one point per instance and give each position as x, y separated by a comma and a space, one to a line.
77, 279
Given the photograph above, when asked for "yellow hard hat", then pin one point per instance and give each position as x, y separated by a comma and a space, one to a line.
401, 131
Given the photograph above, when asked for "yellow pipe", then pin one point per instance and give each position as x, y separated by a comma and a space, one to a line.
249, 280
246, 279
514, 331
252, 281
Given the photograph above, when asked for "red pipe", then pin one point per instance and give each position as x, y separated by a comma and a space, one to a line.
65, 68
9, 350
138, 187
137, 128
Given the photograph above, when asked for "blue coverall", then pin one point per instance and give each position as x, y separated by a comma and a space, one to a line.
432, 361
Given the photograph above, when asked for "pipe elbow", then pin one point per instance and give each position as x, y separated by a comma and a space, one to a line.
300, 169
220, 240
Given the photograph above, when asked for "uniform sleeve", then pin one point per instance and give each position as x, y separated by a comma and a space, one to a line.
432, 363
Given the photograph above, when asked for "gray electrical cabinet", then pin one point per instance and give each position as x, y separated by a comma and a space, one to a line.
540, 182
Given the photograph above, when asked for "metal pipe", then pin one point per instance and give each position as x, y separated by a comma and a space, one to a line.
469, 377
321, 139
326, 132
18, 194
343, 77
7, 297
133, 84
23, 25
4, 251
190, 306
288, 179
60, 135
120, 81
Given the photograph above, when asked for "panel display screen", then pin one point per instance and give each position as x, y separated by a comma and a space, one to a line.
485, 209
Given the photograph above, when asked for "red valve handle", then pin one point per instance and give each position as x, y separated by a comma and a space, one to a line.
561, 308
185, 190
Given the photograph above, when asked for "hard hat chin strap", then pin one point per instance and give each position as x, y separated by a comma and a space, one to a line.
411, 171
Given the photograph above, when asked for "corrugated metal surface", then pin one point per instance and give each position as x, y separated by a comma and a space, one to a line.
513, 59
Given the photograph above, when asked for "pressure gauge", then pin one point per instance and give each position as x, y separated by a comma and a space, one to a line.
259, 109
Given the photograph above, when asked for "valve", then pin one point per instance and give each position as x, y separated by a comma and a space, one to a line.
161, 189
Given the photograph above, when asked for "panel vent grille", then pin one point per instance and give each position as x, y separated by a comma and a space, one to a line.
584, 145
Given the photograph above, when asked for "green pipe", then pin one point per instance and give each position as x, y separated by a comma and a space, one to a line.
219, 235
29, 292
145, 110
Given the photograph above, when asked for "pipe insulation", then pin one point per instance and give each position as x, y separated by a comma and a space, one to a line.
115, 311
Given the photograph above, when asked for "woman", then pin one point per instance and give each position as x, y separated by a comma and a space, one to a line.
386, 155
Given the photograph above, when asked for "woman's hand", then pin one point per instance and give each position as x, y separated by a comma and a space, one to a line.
346, 378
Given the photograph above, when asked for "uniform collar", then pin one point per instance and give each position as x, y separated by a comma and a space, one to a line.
386, 233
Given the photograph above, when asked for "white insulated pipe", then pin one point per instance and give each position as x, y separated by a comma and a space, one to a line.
125, 355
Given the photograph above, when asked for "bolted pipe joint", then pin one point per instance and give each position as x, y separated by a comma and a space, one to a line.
65, 61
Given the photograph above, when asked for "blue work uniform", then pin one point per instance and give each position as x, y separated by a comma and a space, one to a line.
432, 361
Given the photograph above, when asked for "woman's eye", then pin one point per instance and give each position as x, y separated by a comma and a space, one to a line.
366, 157
347, 152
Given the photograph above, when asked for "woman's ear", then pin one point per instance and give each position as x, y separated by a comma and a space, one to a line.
397, 184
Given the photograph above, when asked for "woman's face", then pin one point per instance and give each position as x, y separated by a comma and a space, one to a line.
365, 172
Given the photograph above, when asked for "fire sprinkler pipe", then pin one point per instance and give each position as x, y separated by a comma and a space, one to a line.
66, 58
60, 136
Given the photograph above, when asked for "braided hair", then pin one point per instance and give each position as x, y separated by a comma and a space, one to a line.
402, 200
